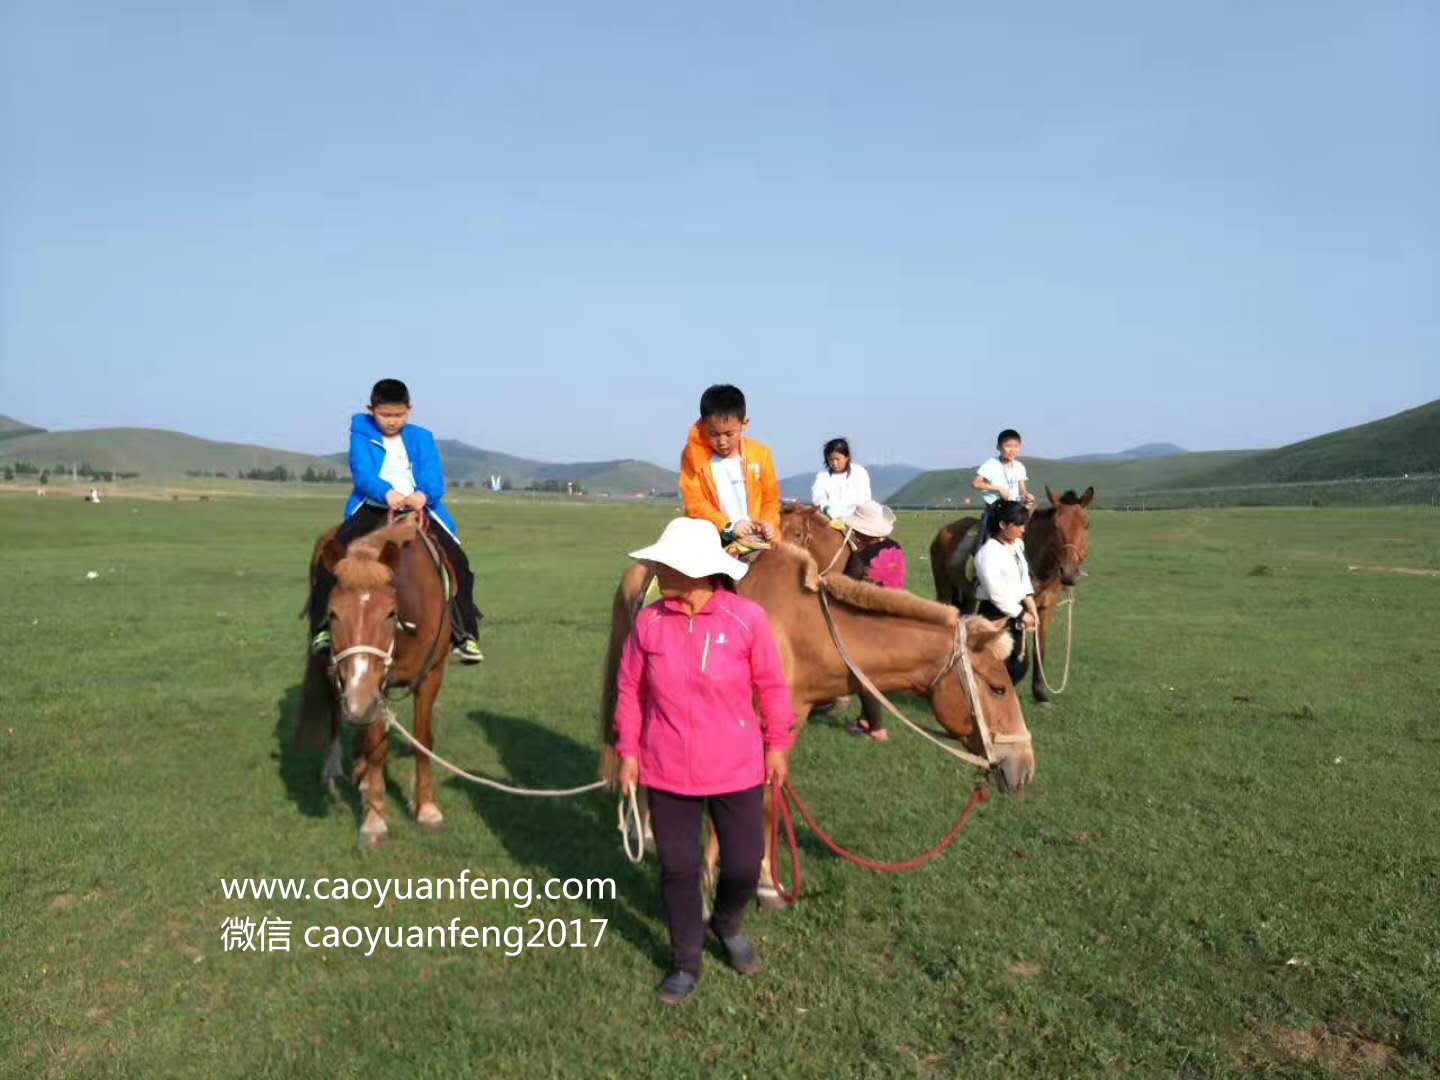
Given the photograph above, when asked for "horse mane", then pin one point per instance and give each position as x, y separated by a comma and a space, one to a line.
883, 601
1070, 498
361, 568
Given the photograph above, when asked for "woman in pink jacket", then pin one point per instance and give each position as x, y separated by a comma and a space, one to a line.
693, 667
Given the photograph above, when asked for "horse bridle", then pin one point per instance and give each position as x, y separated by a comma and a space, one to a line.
388, 655
959, 654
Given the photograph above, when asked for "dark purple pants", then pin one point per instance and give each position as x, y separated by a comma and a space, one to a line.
739, 819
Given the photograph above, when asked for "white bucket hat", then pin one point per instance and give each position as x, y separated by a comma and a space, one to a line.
872, 519
692, 547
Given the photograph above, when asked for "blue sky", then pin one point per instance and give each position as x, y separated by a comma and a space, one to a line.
911, 223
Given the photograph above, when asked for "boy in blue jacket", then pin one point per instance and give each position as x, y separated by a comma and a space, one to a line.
395, 466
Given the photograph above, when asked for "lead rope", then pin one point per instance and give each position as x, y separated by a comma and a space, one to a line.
636, 855
1068, 602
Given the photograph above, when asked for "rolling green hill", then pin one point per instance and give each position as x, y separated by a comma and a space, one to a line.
153, 453
1408, 442
625, 476
10, 428
1112, 480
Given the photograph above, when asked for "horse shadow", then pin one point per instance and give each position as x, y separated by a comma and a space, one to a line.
564, 837
300, 769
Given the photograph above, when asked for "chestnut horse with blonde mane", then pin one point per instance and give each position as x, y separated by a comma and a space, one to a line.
900, 641
390, 627
1056, 544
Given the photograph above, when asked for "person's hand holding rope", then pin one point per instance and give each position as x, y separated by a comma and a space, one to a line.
777, 767
629, 774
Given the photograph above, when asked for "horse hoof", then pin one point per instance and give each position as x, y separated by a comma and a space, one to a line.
431, 822
372, 841
1044, 703
769, 899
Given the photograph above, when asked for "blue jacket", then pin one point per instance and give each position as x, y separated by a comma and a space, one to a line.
367, 455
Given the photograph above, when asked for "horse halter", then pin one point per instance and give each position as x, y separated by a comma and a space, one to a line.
961, 654
387, 655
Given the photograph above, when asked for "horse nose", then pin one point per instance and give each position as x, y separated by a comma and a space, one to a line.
1014, 768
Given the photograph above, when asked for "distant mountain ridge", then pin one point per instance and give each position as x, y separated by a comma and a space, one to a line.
1144, 452
11, 428
885, 480
1406, 443
158, 455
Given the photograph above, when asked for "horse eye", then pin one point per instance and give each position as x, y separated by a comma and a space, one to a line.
334, 616
997, 691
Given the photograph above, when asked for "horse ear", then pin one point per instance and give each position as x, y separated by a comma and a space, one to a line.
985, 635
1089, 494
390, 555
331, 552
810, 579
1051, 496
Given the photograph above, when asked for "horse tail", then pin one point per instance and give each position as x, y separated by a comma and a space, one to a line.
629, 595
315, 724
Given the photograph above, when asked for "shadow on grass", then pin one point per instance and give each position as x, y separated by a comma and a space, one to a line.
299, 770
573, 837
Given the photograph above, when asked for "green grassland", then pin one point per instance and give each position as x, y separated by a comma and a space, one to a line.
1229, 864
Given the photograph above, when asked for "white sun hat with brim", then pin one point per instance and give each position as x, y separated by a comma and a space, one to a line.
692, 547
872, 519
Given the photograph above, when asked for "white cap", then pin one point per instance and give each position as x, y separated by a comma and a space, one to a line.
872, 519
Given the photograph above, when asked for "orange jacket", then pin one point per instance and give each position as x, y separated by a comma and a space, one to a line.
697, 484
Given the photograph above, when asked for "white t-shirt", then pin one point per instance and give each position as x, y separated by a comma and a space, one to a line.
1003, 576
1007, 476
729, 476
395, 470
838, 494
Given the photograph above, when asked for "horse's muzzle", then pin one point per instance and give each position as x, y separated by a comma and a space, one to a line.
1014, 768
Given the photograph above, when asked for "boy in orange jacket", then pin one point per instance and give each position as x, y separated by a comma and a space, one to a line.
726, 478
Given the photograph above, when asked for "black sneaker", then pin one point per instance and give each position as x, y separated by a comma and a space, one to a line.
676, 987
320, 643
739, 952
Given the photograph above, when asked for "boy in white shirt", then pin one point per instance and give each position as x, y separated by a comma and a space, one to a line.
1000, 477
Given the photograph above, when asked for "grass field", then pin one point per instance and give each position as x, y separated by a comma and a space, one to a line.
1229, 863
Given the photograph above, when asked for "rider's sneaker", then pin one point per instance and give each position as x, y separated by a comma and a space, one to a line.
320, 643
468, 651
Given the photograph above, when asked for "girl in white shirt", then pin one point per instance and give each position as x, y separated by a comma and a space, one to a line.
1002, 577
842, 485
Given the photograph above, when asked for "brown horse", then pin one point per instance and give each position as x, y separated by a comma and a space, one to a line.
900, 641
1056, 544
389, 626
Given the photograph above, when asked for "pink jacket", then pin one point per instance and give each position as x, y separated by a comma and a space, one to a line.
687, 692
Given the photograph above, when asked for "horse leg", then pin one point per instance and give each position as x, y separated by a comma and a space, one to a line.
708, 872
1043, 609
427, 814
370, 779
334, 769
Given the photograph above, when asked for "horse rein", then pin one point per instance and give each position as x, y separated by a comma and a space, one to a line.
959, 654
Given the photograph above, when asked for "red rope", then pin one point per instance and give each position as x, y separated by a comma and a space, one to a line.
782, 797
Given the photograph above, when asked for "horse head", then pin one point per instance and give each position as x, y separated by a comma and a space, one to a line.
363, 625
1072, 529
988, 646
